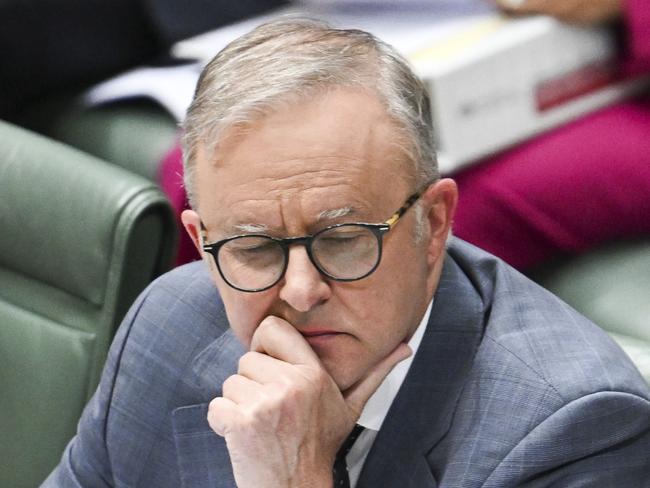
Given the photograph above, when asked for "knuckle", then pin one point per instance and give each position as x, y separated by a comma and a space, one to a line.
215, 418
291, 393
270, 322
229, 384
265, 323
243, 422
271, 397
258, 416
214, 405
246, 361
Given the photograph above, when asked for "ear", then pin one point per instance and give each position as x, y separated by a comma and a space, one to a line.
192, 223
440, 201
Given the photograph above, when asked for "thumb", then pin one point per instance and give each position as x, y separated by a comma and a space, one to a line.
358, 394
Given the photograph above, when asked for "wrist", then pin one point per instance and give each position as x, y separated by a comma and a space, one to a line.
316, 477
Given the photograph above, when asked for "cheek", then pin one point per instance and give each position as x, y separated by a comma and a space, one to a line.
399, 282
400, 272
245, 311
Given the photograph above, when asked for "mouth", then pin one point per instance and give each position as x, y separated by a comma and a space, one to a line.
318, 332
320, 337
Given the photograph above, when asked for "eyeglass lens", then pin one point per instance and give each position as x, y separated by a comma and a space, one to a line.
346, 252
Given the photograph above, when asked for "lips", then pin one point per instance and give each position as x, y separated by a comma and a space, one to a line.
318, 332
322, 339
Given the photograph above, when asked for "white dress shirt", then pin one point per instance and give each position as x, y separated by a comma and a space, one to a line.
376, 408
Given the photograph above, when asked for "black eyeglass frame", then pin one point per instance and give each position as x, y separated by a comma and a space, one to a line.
378, 229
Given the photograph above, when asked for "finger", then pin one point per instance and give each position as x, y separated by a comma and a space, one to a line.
222, 414
262, 368
510, 6
240, 389
357, 396
525, 7
279, 339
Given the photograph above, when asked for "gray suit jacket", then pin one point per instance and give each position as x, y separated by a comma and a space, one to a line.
510, 387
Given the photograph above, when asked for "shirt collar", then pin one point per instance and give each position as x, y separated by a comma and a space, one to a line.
377, 406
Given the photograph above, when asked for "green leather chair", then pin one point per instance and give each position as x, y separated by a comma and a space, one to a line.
611, 286
79, 239
135, 134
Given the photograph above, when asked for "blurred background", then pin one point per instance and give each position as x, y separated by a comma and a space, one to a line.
542, 116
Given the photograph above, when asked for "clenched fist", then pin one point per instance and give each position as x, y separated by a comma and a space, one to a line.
282, 415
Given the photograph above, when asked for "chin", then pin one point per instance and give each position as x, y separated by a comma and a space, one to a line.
343, 375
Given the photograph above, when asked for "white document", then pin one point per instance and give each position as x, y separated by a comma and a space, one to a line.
494, 81
172, 87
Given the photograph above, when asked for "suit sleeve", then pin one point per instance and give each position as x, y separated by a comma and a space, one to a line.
602, 439
86, 459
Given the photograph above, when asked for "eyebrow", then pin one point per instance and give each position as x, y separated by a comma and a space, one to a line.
251, 228
335, 213
254, 228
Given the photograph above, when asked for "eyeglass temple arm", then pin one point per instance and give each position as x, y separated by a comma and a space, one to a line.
203, 233
402, 210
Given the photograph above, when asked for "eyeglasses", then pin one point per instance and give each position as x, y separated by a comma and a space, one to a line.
342, 252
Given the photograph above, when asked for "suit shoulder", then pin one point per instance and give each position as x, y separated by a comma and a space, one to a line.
185, 294
532, 334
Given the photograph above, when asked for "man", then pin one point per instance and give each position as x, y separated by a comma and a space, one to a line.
330, 297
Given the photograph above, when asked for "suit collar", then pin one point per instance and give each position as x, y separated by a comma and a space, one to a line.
422, 412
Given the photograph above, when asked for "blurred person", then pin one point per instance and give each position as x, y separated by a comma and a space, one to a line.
334, 335
578, 186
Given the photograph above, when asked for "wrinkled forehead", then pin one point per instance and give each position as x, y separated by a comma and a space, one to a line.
338, 120
340, 143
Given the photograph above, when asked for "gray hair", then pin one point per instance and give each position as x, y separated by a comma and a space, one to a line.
287, 59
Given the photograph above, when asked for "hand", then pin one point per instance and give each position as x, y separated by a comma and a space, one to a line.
283, 416
586, 12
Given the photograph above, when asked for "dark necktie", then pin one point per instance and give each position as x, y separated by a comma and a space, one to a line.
341, 478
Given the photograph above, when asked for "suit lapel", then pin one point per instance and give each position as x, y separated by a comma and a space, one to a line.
423, 409
203, 458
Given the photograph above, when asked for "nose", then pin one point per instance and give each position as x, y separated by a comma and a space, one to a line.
303, 287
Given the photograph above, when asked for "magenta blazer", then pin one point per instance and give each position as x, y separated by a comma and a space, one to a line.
570, 189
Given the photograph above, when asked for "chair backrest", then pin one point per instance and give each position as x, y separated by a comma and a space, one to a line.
611, 286
135, 134
79, 239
